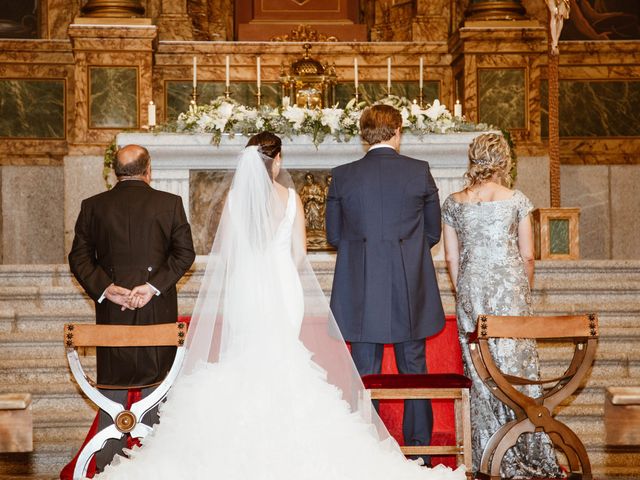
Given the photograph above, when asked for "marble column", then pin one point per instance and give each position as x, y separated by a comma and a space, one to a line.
174, 22
497, 67
496, 10
113, 8
113, 66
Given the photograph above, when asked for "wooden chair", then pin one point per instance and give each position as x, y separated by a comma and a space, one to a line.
429, 386
124, 421
535, 414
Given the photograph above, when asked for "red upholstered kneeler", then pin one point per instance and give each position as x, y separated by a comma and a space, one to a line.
443, 356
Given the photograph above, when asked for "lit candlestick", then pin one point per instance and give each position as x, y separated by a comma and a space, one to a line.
355, 72
226, 72
258, 72
457, 109
389, 75
151, 113
195, 72
421, 72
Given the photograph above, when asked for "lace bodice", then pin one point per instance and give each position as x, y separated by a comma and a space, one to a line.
487, 231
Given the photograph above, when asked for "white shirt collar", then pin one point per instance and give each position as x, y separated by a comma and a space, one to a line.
380, 145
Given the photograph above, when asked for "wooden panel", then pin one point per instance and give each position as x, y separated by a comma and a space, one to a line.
622, 422
308, 10
16, 430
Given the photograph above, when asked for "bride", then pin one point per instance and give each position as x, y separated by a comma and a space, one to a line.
268, 389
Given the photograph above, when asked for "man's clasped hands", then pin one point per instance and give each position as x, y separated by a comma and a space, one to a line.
137, 297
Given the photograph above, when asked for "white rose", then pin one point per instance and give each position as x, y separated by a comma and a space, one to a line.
225, 109
295, 115
331, 118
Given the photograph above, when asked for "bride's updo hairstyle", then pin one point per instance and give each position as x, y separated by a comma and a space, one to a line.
269, 146
489, 154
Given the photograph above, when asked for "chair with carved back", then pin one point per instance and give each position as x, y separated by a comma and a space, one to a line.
124, 420
535, 414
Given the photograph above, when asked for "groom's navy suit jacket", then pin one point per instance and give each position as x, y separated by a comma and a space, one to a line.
383, 216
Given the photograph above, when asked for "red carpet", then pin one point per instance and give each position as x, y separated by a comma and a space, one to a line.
443, 356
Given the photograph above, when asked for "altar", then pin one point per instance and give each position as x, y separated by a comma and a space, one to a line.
180, 163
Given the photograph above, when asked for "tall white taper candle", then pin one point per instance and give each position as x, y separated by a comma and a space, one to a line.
195, 72
226, 71
355, 72
258, 71
388, 74
421, 72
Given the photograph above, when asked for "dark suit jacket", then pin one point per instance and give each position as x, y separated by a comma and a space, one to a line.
130, 235
383, 216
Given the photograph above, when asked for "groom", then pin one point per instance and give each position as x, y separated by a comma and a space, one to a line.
383, 216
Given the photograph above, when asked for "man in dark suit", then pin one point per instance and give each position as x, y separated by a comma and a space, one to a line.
132, 244
383, 216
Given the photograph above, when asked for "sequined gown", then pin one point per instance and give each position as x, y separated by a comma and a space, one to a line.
492, 280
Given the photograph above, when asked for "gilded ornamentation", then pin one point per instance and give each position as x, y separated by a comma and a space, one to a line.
483, 325
304, 33
125, 421
113, 8
314, 197
307, 82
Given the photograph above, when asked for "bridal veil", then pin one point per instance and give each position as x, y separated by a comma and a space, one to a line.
243, 309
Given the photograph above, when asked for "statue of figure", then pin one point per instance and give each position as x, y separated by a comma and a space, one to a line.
327, 184
313, 197
559, 12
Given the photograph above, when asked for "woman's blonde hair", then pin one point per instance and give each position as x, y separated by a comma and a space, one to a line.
489, 154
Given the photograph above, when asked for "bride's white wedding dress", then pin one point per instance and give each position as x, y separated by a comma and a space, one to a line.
265, 410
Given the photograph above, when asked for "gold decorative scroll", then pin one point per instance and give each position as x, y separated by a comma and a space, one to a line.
304, 33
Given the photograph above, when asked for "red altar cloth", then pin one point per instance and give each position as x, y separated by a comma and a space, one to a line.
443, 356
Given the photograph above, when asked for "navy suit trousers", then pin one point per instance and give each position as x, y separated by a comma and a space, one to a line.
417, 423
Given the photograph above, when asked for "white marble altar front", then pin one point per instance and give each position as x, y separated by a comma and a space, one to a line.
175, 155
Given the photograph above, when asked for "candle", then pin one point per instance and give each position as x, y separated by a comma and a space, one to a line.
258, 72
421, 74
355, 72
226, 71
389, 74
457, 109
151, 113
195, 72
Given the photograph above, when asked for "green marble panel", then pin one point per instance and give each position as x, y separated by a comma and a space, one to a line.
113, 97
373, 91
559, 236
502, 97
594, 108
179, 94
32, 108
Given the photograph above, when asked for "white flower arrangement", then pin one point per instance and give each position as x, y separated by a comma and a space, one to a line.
226, 116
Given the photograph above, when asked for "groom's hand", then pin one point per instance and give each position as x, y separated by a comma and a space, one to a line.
141, 295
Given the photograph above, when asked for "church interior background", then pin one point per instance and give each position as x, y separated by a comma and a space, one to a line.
74, 74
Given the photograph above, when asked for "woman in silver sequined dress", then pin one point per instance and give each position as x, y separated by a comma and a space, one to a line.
488, 241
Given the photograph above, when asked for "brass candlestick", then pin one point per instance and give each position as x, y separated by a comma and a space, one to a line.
227, 92
356, 95
258, 96
421, 98
194, 96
